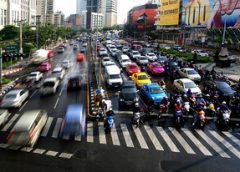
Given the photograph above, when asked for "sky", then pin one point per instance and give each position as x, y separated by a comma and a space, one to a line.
69, 7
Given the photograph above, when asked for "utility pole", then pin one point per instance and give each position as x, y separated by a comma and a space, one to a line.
20, 39
1, 67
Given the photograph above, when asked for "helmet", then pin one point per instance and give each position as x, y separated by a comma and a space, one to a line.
98, 91
224, 103
211, 106
184, 95
207, 95
136, 104
201, 112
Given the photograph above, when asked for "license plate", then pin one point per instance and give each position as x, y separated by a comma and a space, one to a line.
128, 102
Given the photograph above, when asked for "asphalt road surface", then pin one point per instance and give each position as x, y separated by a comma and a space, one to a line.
155, 146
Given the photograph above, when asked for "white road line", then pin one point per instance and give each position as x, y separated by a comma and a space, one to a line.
51, 153
14, 147
126, 135
102, 136
140, 138
33, 94
66, 137
90, 132
198, 144
232, 137
39, 151
6, 127
26, 149
153, 138
212, 144
167, 139
57, 127
78, 138
230, 147
61, 92
23, 105
3, 145
181, 140
65, 155
47, 126
114, 136
56, 103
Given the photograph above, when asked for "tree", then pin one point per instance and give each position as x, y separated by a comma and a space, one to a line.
9, 32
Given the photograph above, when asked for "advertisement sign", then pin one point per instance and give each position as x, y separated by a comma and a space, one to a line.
211, 13
169, 12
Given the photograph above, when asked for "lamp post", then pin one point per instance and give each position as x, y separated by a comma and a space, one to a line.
145, 25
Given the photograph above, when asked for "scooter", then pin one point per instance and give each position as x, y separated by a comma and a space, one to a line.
224, 119
201, 120
136, 120
178, 119
108, 124
161, 109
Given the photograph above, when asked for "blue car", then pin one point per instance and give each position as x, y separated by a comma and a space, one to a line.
153, 91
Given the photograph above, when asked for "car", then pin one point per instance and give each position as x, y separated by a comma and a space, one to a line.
58, 72
142, 60
80, 57
36, 76
170, 65
82, 50
14, 98
66, 64
144, 51
60, 49
125, 49
153, 92
182, 85
4, 114
134, 55
27, 129
44, 67
84, 44
113, 52
140, 78
125, 61
200, 53
132, 68
162, 59
106, 60
189, 73
74, 82
50, 86
151, 56
75, 46
102, 51
110, 63
155, 68
128, 93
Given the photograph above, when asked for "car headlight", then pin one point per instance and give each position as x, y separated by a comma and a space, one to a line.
121, 100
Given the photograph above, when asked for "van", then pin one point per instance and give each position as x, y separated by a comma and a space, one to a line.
113, 76
123, 57
28, 128
74, 123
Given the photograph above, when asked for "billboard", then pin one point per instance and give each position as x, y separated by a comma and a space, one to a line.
169, 12
211, 13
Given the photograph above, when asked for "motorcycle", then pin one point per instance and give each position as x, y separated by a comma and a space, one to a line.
186, 108
137, 119
192, 100
178, 119
224, 119
99, 114
108, 123
211, 109
161, 109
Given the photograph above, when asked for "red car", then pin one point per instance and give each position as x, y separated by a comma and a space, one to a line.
45, 66
132, 68
155, 68
80, 57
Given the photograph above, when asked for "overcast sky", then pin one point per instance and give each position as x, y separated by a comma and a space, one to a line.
69, 7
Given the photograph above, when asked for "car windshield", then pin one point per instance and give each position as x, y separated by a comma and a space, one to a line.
142, 77
33, 74
151, 54
156, 90
132, 67
56, 71
143, 58
10, 96
129, 89
190, 85
135, 53
191, 72
156, 65
48, 84
106, 59
117, 76
125, 60
222, 85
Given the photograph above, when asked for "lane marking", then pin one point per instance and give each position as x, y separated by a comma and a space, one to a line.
114, 136
57, 127
90, 132
6, 127
51, 153
167, 139
39, 151
56, 103
78, 138
61, 92
153, 138
181, 140
232, 137
65, 155
14, 147
126, 135
26, 149
47, 126
102, 136
33, 94
197, 143
23, 105
3, 145
140, 138
213, 144
66, 137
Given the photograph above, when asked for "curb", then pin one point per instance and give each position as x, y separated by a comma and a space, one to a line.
92, 101
5, 73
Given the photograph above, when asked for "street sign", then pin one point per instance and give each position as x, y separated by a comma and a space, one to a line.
11, 49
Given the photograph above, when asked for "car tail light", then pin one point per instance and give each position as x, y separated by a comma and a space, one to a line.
9, 136
69, 84
79, 84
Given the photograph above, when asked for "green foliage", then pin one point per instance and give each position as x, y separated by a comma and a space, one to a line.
28, 48
8, 64
6, 81
9, 32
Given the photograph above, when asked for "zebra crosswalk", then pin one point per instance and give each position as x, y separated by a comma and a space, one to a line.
184, 140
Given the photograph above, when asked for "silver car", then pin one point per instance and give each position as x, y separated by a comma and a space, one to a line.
3, 116
14, 98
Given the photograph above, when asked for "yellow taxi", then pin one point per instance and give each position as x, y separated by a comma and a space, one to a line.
140, 78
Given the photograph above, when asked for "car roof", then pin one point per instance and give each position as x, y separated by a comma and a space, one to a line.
184, 80
15, 91
188, 68
141, 73
128, 83
35, 72
74, 112
58, 68
152, 85
50, 79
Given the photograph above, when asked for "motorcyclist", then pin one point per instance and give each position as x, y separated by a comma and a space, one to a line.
200, 102
223, 107
106, 106
189, 92
136, 107
162, 83
109, 114
196, 116
165, 102
178, 106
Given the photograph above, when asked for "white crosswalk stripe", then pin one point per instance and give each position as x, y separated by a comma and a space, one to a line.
225, 143
197, 143
232, 137
181, 140
213, 144
140, 138
126, 135
47, 126
90, 132
167, 139
114, 136
102, 136
153, 138
57, 127
78, 138
8, 125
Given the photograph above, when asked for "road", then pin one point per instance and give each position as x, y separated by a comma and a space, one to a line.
155, 146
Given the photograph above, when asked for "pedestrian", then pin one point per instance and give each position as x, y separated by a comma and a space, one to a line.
195, 57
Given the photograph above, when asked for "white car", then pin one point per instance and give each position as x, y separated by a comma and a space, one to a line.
200, 53
14, 98
49, 86
106, 60
66, 64
124, 62
3, 116
184, 84
134, 55
111, 63
58, 72
125, 49
114, 52
142, 60
36, 76
189, 73
102, 51
151, 56
84, 44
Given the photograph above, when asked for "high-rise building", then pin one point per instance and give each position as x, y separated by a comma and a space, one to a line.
58, 19
74, 21
50, 12
81, 6
111, 13
41, 11
3, 13
92, 7
32, 12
